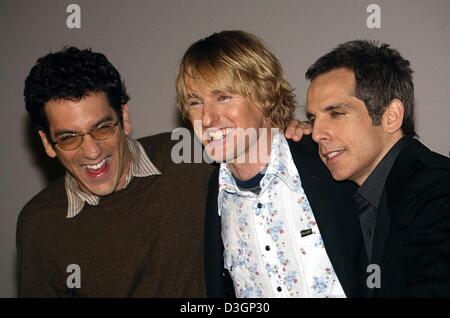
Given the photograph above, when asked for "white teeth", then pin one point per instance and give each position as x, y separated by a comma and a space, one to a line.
332, 154
98, 165
219, 134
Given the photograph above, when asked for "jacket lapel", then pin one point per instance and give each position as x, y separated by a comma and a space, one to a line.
213, 241
383, 224
402, 167
218, 280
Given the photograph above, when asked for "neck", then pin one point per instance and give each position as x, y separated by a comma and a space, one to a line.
243, 168
245, 172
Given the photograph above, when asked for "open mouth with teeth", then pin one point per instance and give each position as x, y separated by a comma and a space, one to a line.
98, 169
331, 156
220, 134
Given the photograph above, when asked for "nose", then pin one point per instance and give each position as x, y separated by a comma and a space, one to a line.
90, 147
320, 133
209, 114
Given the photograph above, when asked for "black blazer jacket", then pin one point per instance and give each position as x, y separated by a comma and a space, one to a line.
333, 209
412, 235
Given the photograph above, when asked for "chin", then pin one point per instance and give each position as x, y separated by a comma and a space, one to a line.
338, 176
101, 190
218, 155
218, 159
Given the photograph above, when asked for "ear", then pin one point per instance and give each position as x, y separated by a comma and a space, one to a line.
47, 145
393, 116
126, 120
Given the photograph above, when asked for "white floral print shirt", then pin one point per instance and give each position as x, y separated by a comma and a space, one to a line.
273, 247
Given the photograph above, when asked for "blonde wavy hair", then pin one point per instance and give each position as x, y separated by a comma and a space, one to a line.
237, 62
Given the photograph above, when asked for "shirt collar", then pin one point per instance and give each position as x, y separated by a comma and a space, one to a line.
141, 166
280, 166
372, 189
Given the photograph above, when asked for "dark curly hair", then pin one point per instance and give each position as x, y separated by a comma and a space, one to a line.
71, 74
381, 75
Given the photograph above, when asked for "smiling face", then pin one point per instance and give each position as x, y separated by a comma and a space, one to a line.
228, 124
98, 166
349, 144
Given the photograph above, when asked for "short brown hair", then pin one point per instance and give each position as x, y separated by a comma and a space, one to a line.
381, 75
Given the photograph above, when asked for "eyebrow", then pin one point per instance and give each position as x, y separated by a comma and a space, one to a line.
192, 95
214, 92
329, 108
336, 107
218, 92
106, 118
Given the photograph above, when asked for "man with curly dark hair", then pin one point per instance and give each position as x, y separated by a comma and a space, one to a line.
116, 225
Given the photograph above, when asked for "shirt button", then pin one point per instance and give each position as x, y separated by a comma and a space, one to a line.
279, 288
260, 205
231, 268
267, 248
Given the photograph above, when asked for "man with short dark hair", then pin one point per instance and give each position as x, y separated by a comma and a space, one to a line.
361, 105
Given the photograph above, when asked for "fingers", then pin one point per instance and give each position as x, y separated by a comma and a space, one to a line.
291, 128
296, 129
297, 135
289, 132
305, 128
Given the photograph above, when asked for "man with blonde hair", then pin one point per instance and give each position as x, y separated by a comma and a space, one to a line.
276, 222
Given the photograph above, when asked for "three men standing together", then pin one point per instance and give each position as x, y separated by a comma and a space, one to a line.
276, 226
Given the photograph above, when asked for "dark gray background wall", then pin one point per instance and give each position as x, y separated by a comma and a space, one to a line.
146, 39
